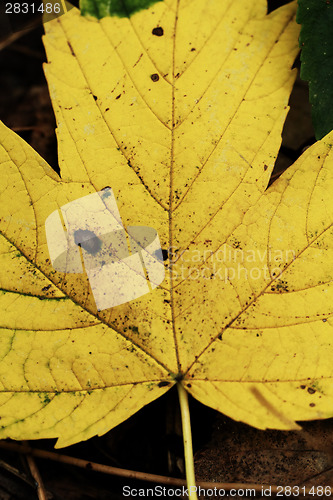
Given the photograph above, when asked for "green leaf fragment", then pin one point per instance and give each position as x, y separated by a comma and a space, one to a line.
120, 8
316, 42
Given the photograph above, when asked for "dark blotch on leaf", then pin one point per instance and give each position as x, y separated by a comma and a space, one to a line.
164, 383
165, 254
158, 31
155, 77
47, 399
88, 241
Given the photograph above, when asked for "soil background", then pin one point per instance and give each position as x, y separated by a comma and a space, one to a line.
150, 441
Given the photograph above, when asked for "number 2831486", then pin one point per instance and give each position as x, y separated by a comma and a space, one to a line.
32, 8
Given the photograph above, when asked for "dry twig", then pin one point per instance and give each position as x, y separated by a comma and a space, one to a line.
130, 474
36, 474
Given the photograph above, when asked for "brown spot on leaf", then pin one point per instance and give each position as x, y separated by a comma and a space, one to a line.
164, 383
70, 48
165, 254
158, 31
155, 77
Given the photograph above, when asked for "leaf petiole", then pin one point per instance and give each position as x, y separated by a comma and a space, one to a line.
187, 437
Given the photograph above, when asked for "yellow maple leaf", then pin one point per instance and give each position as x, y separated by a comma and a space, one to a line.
179, 109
